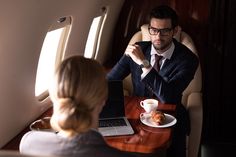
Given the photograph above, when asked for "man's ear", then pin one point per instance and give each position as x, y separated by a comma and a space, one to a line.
177, 31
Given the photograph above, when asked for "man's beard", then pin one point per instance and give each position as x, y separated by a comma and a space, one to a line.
162, 47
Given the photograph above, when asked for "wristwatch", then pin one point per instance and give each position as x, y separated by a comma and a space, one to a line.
145, 64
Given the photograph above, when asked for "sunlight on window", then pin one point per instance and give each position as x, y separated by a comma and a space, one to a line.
92, 37
47, 60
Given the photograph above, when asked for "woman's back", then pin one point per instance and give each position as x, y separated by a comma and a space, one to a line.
88, 144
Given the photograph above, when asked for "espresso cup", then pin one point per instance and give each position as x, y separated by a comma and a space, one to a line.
149, 105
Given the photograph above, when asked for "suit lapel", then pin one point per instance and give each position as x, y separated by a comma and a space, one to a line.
169, 63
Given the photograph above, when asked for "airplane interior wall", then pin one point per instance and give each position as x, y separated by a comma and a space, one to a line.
24, 24
220, 63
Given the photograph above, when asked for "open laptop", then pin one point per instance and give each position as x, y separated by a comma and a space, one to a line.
112, 120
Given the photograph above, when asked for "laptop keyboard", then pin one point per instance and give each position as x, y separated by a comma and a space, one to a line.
112, 122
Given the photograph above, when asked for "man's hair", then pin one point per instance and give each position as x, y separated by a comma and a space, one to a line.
164, 12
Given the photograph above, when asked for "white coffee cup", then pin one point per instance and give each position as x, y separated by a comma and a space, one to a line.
149, 105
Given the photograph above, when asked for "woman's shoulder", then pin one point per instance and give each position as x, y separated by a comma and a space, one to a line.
38, 134
36, 137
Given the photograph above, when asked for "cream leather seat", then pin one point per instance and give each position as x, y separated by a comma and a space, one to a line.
192, 96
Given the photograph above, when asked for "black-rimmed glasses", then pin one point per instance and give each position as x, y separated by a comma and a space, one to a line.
155, 31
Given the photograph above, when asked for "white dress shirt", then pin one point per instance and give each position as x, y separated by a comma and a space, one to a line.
166, 55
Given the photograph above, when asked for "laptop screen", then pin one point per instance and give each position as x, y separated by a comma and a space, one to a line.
114, 106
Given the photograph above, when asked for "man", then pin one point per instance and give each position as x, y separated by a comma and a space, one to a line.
165, 79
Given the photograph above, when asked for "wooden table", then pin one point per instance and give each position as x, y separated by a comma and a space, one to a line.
145, 139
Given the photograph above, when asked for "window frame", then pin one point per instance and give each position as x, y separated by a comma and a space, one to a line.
65, 23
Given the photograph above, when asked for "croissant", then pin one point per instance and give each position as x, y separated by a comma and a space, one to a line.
158, 117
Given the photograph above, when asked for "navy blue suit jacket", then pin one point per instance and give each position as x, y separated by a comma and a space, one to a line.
167, 85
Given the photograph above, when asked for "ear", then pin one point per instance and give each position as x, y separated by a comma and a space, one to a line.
177, 32
100, 106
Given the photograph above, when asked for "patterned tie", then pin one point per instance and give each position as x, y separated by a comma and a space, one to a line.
157, 63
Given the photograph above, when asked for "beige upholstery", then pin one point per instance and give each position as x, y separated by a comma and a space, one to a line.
192, 96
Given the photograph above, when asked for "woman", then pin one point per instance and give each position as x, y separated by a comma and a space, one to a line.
78, 91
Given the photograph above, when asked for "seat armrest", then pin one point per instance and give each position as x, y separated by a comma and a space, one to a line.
194, 107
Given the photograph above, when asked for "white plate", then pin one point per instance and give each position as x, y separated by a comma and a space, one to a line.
42, 125
146, 119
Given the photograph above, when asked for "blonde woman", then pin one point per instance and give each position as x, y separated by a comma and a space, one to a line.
78, 91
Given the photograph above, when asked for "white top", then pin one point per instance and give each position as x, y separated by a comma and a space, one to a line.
166, 55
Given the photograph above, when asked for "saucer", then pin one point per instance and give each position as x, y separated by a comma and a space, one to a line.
147, 120
42, 125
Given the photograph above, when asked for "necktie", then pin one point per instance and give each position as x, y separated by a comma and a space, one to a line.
157, 62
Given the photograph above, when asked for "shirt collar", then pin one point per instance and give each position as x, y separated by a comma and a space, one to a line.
167, 54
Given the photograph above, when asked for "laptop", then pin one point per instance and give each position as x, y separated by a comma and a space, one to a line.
112, 120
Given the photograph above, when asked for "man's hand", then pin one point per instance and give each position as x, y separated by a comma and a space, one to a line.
135, 52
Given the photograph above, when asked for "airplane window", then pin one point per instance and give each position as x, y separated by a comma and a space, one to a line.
52, 53
92, 44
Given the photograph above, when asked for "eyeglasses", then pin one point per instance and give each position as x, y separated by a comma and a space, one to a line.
155, 31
